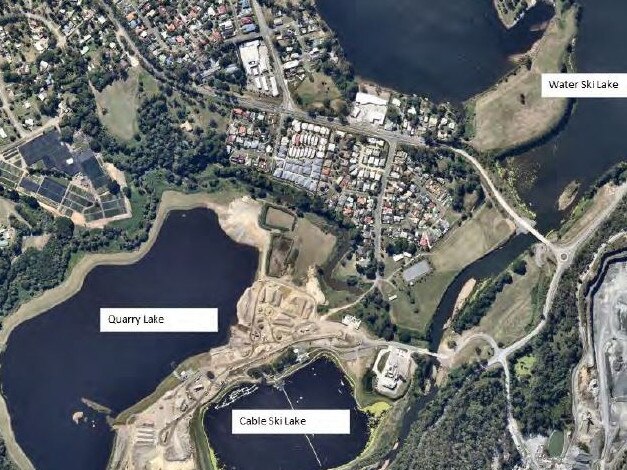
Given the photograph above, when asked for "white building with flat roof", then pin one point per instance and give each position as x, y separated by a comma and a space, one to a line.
393, 368
254, 55
369, 108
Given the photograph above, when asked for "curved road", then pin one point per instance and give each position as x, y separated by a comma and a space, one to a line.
564, 256
521, 222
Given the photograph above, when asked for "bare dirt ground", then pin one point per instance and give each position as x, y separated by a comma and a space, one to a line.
115, 174
464, 293
585, 212
37, 242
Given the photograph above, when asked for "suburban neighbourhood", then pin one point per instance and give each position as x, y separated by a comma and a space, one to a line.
366, 231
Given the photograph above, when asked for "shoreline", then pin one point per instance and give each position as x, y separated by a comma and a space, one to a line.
462, 297
322, 354
508, 24
170, 201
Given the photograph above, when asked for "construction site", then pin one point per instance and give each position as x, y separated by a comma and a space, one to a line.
600, 381
273, 316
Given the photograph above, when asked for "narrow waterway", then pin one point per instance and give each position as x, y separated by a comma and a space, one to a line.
320, 385
490, 265
593, 139
59, 357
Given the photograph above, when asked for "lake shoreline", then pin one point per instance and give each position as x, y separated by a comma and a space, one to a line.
236, 218
319, 356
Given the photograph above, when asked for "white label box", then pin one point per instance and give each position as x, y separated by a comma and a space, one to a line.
584, 85
158, 320
291, 421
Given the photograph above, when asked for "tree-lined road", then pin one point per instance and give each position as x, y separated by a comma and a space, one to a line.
563, 254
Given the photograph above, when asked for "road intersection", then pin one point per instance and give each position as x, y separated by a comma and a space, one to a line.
563, 254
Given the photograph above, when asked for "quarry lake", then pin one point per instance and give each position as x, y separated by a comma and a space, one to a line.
59, 357
446, 50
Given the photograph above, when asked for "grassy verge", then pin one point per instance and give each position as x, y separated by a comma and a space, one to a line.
205, 456
513, 112
518, 307
415, 306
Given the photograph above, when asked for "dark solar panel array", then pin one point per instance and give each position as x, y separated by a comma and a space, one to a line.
49, 150
29, 185
52, 189
91, 168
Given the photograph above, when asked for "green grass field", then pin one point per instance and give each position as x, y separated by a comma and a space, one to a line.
523, 366
315, 89
513, 112
426, 294
118, 104
555, 444
462, 246
314, 246
476, 350
514, 312
345, 269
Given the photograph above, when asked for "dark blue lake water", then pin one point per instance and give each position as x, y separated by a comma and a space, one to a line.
57, 358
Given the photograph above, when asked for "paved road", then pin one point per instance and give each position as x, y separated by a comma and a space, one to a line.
521, 222
378, 228
569, 250
563, 253
288, 103
566, 255
6, 105
61, 41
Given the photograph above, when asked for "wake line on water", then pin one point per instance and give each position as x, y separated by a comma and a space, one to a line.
313, 449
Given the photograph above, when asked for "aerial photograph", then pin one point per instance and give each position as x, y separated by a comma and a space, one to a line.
313, 235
